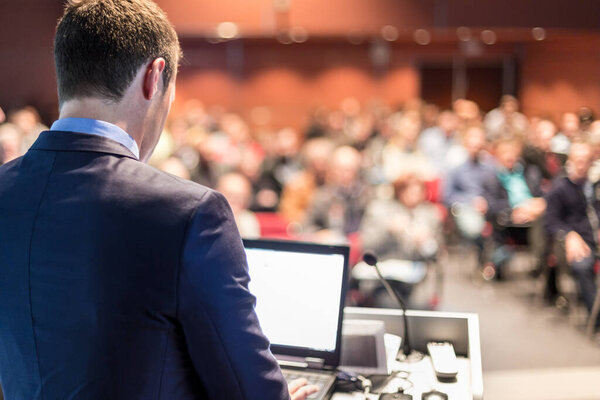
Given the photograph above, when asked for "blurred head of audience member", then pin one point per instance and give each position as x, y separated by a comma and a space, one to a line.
569, 125
407, 127
507, 151
2, 115
26, 118
579, 161
287, 143
237, 190
344, 168
544, 132
467, 111
316, 156
175, 166
409, 190
509, 105
448, 122
11, 142
431, 114
235, 128
29, 122
474, 141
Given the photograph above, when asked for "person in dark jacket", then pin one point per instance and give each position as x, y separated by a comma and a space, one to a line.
572, 219
119, 281
515, 205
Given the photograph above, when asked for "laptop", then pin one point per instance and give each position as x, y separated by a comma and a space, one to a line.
300, 290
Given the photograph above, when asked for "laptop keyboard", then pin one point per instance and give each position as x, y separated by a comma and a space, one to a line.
319, 380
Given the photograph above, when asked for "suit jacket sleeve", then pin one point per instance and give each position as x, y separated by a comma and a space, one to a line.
229, 352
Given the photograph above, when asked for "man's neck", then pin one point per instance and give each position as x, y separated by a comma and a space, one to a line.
102, 110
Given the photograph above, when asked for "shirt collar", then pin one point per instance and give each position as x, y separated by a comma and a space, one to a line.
100, 128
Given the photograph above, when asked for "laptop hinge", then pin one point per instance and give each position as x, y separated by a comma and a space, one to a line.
301, 362
315, 363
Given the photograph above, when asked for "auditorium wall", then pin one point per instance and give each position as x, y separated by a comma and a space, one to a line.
559, 73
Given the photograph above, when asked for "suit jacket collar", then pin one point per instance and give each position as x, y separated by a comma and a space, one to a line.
73, 141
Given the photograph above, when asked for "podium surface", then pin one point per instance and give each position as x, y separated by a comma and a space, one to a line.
461, 329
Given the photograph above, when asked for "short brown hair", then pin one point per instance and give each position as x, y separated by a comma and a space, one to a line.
101, 44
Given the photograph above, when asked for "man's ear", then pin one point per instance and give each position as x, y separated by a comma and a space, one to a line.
152, 77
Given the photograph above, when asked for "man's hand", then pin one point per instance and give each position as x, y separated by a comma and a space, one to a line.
521, 215
300, 390
529, 211
480, 204
575, 247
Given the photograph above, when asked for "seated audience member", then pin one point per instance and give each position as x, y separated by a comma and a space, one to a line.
572, 218
505, 119
401, 153
265, 189
464, 189
441, 144
538, 153
338, 206
29, 122
207, 168
514, 202
406, 227
569, 129
11, 142
468, 113
237, 190
282, 166
298, 193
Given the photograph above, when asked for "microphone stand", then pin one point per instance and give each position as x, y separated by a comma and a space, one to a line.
371, 259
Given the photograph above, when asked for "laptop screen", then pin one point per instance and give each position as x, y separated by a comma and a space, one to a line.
300, 290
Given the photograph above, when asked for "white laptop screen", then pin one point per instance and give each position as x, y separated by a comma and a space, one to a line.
297, 296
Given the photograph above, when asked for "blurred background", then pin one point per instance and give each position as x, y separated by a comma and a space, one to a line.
291, 56
358, 122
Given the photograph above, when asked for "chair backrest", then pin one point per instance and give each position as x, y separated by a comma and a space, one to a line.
273, 225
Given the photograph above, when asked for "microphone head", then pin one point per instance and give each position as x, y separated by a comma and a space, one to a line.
370, 258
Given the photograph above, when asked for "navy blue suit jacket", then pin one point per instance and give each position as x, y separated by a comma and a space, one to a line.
118, 281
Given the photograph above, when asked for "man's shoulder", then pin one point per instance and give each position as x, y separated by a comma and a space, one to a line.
140, 182
155, 180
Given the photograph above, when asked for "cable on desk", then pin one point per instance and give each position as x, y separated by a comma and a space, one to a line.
352, 382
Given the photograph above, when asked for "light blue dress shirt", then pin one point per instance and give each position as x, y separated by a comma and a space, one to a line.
100, 128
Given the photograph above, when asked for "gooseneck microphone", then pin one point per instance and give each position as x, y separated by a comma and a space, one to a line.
371, 259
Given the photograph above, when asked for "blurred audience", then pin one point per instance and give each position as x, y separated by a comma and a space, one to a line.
367, 174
